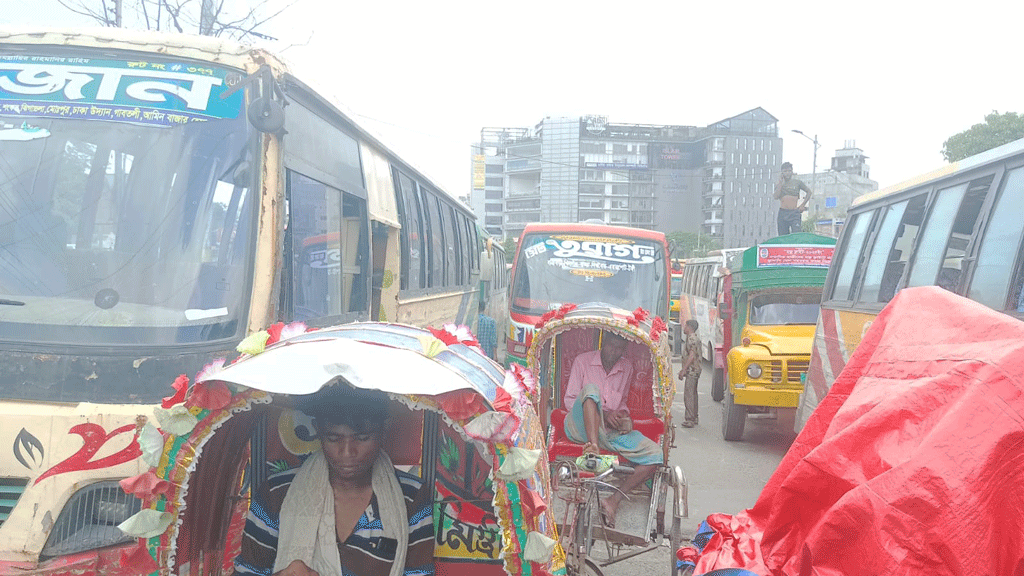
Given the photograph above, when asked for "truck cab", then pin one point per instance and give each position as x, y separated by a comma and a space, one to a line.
770, 317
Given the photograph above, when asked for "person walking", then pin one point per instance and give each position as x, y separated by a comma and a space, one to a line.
787, 192
690, 372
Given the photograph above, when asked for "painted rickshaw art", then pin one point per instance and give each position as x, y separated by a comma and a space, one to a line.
465, 425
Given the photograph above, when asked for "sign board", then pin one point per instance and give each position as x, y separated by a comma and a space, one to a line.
792, 255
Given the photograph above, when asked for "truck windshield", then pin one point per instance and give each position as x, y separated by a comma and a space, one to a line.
776, 309
554, 269
119, 233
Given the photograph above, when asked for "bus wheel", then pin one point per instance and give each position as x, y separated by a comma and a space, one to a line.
734, 417
718, 385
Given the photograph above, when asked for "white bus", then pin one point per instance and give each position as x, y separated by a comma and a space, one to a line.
960, 227
162, 197
701, 292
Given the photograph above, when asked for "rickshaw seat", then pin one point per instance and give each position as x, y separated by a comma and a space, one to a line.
650, 427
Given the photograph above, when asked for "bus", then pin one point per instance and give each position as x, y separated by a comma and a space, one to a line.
958, 227
163, 196
700, 296
494, 276
557, 264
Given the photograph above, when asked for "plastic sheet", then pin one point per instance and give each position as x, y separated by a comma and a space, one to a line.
912, 464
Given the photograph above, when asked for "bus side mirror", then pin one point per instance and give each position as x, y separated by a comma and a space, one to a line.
723, 310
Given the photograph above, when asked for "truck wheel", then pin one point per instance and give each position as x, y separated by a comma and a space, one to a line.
718, 384
734, 417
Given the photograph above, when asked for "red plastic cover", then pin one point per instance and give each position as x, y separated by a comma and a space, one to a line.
912, 464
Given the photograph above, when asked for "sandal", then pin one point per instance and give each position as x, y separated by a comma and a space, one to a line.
591, 448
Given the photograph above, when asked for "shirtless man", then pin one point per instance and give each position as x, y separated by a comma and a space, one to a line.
787, 192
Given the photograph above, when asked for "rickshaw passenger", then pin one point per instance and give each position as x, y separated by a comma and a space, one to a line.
596, 398
346, 510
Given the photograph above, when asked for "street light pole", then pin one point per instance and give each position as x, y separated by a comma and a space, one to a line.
814, 162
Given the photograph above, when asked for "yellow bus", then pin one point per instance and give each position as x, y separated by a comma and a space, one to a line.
959, 227
162, 197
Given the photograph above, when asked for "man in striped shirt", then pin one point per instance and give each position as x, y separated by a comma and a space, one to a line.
351, 430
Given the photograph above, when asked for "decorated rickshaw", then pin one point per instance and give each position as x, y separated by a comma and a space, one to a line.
460, 422
651, 516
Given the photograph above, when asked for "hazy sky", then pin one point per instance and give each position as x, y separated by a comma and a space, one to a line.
898, 77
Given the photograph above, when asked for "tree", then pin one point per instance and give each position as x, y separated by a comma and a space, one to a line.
510, 247
204, 17
997, 130
692, 244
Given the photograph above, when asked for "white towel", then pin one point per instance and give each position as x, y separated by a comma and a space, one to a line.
307, 529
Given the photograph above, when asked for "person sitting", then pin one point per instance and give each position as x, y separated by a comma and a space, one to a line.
595, 398
346, 510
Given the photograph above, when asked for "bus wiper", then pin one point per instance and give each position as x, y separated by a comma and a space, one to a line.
6, 302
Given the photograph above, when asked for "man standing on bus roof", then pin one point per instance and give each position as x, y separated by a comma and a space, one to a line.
787, 192
690, 373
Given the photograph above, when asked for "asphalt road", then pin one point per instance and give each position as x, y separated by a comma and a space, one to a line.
722, 476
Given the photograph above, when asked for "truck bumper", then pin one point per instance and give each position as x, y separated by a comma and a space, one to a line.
763, 396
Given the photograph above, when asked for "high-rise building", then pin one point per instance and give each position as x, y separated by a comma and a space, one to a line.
716, 179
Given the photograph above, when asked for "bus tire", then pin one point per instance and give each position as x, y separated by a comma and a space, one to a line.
718, 384
734, 418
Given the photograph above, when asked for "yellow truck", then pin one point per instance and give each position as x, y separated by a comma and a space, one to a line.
770, 309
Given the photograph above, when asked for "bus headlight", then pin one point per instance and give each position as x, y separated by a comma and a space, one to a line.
754, 370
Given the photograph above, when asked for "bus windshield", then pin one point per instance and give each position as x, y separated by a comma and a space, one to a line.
778, 309
117, 233
558, 268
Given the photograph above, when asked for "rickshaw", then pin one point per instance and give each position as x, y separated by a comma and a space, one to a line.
459, 421
649, 516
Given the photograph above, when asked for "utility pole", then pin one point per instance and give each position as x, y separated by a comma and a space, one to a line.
118, 10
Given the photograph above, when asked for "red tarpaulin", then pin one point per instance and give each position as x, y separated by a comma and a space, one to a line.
912, 464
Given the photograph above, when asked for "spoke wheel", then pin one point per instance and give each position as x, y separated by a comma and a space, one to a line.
589, 568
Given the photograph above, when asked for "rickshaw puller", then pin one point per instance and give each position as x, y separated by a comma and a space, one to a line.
598, 417
346, 510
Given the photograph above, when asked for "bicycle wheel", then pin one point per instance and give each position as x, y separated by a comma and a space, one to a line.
589, 568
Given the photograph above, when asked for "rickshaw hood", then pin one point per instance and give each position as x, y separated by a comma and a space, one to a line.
305, 366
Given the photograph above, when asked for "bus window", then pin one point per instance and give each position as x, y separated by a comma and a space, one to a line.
436, 268
944, 240
990, 281
899, 254
891, 249
450, 245
880, 251
413, 254
850, 256
314, 227
355, 254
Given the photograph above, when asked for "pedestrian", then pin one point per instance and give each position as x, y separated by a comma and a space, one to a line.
487, 333
787, 192
690, 372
